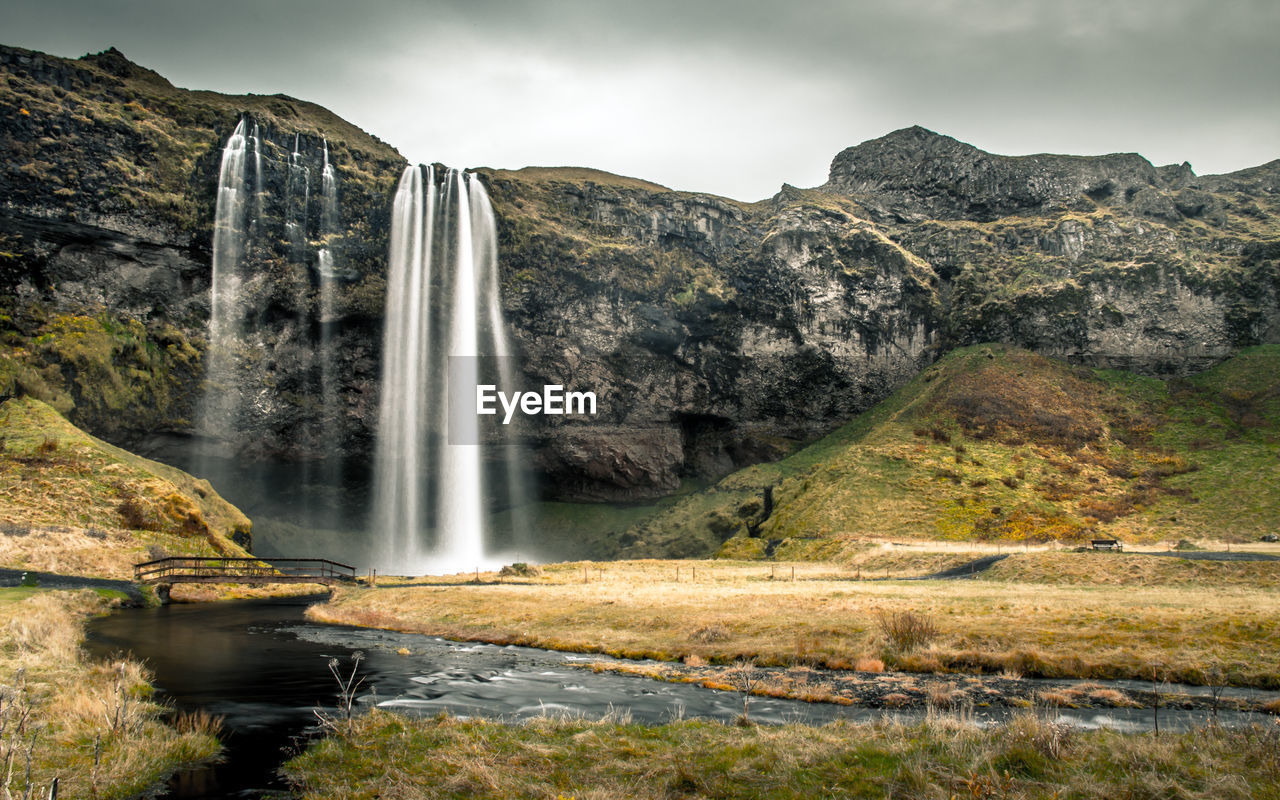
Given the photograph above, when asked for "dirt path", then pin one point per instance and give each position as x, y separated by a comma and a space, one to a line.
49, 580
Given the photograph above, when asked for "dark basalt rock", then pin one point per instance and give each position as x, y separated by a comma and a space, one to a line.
915, 174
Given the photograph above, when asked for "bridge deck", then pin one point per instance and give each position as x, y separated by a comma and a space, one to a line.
196, 569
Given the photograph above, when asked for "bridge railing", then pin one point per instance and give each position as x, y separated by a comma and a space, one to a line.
240, 569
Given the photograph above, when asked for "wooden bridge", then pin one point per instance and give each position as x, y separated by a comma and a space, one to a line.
255, 571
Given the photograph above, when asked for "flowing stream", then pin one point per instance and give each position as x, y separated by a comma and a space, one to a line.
264, 668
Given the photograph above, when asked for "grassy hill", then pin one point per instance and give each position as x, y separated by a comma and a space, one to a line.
997, 443
74, 504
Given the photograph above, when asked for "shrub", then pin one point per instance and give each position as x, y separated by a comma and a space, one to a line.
1049, 739
709, 633
946, 474
135, 516
906, 630
943, 696
519, 569
867, 664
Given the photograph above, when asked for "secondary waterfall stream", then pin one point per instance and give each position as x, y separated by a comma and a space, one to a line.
279, 259
220, 404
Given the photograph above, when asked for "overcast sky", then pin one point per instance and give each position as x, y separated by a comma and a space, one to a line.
732, 97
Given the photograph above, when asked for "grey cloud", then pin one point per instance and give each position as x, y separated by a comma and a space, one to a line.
728, 96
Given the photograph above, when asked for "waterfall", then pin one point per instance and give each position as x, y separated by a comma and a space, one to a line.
220, 406
326, 267
297, 199
432, 501
257, 178
484, 228
402, 418
329, 196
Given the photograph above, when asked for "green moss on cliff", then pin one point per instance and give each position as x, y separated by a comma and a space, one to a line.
108, 373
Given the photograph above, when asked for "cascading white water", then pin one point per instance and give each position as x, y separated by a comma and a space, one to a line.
329, 196
484, 231
326, 267
430, 499
221, 400
297, 200
461, 536
257, 177
403, 424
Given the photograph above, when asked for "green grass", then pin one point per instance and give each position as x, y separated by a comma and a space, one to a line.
583, 530
388, 756
16, 594
993, 443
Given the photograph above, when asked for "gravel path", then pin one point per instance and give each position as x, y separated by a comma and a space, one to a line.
1207, 555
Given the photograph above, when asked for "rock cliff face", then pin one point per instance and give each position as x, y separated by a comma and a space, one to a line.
715, 333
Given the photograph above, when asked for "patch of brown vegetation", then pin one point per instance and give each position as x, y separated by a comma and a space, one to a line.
1023, 397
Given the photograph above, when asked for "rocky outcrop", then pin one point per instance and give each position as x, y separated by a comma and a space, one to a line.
716, 334
914, 174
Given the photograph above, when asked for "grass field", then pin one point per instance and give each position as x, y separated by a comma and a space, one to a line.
387, 756
1040, 614
91, 725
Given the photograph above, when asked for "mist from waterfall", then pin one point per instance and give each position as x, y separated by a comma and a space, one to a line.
433, 499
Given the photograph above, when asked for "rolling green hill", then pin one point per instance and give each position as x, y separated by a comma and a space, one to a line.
996, 443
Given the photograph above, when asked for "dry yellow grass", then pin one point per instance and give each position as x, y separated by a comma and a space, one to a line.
93, 551
214, 592
74, 504
823, 618
1124, 569
60, 707
386, 756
